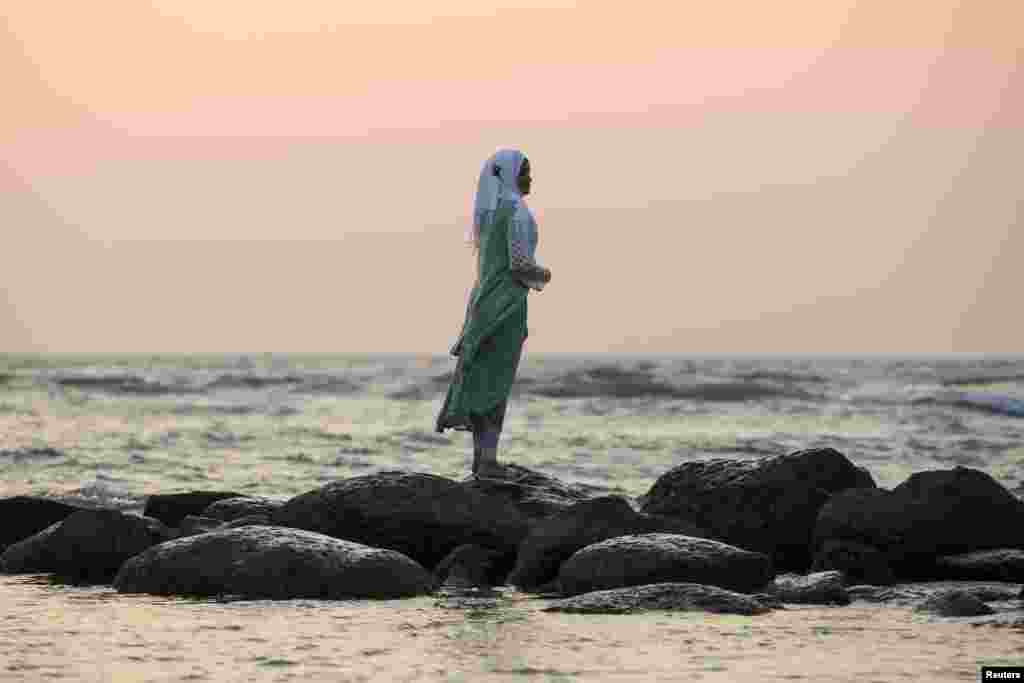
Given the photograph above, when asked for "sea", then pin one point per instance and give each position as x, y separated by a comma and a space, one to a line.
108, 430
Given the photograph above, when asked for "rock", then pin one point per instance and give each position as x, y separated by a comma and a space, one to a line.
24, 516
89, 545
685, 597
192, 525
272, 562
467, 566
553, 540
230, 509
659, 558
954, 604
1001, 564
913, 593
862, 563
820, 588
943, 512
768, 505
171, 508
421, 515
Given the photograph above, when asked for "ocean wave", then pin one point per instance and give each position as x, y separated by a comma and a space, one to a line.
121, 383
618, 382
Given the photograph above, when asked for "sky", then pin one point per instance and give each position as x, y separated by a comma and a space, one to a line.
789, 177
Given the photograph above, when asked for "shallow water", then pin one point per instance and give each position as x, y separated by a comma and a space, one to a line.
122, 427
110, 430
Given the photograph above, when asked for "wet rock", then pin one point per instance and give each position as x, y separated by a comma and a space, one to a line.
229, 509
820, 588
768, 505
171, 508
272, 562
660, 558
1001, 564
954, 603
25, 516
425, 516
861, 563
686, 597
467, 566
192, 525
943, 512
88, 545
553, 540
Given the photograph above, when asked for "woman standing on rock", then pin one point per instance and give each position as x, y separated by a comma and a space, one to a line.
504, 237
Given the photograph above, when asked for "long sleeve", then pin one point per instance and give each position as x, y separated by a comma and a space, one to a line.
520, 254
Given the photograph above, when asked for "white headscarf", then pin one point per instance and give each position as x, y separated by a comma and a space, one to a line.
498, 180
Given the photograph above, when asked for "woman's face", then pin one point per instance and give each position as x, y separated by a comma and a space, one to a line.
524, 178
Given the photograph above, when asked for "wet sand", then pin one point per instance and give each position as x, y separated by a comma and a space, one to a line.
95, 634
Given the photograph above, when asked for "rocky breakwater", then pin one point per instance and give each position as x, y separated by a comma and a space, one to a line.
706, 533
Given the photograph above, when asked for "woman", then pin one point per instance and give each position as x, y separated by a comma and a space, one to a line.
504, 235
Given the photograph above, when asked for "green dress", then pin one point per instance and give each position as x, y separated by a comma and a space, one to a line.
492, 338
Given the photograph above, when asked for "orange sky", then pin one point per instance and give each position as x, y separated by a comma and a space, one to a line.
783, 177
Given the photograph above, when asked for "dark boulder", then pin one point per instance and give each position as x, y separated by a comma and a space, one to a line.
768, 505
663, 558
820, 588
24, 516
272, 562
422, 515
1000, 564
680, 597
553, 540
943, 512
88, 545
230, 509
171, 508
